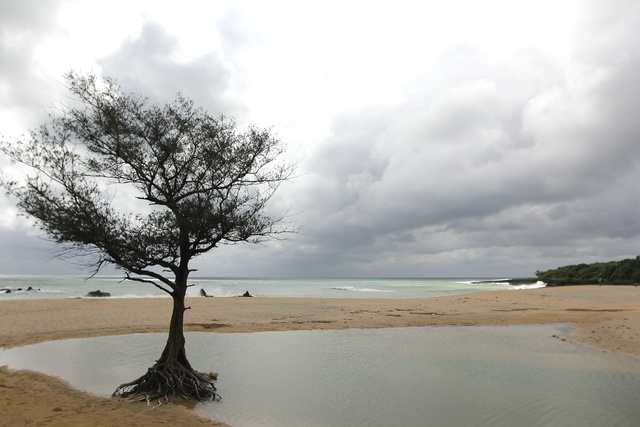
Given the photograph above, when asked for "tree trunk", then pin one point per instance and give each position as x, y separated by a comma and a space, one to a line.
174, 352
172, 375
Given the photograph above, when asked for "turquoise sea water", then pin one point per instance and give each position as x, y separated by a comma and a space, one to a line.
427, 376
54, 287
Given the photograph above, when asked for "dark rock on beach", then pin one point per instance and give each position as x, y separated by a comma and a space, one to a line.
203, 293
528, 281
98, 293
10, 290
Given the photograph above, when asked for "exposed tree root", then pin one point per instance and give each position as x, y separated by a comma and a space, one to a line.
163, 382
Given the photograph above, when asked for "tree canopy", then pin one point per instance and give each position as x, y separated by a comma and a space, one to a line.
625, 271
206, 184
119, 180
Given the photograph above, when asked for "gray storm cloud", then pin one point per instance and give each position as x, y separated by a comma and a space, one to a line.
477, 166
481, 164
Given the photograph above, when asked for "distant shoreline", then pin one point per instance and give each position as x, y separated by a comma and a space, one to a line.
69, 287
528, 281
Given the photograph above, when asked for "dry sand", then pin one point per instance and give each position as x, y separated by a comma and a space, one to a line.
605, 317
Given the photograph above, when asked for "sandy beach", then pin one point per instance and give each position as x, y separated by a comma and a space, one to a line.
605, 317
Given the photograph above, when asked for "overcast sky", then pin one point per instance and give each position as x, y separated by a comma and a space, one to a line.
459, 138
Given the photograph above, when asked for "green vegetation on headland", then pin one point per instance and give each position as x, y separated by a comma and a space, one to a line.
625, 272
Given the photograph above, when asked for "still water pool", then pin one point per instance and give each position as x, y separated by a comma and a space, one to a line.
425, 376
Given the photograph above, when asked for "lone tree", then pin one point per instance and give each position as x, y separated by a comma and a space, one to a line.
203, 183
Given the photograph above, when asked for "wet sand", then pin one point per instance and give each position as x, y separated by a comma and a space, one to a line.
605, 317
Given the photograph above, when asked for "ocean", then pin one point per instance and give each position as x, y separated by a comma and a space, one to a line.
13, 287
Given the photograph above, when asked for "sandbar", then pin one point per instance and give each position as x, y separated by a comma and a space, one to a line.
605, 317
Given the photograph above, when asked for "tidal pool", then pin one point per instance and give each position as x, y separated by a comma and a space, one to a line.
419, 376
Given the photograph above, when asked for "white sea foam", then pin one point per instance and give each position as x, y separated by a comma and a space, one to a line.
132, 296
480, 282
354, 289
503, 283
536, 285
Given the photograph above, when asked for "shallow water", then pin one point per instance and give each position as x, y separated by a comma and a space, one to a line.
427, 376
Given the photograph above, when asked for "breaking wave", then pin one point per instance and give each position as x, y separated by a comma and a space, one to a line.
354, 289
